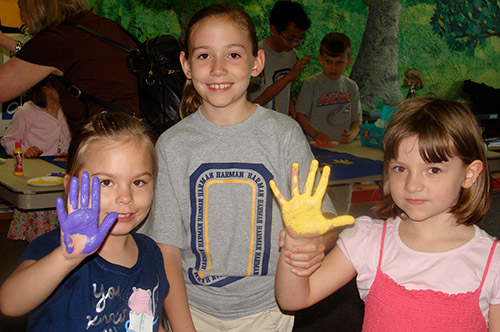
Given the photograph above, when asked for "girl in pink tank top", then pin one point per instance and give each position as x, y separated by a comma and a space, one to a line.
436, 187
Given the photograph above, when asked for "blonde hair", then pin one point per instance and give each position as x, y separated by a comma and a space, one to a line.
445, 129
191, 100
108, 127
47, 13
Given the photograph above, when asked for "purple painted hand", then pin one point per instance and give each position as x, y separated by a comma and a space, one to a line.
84, 220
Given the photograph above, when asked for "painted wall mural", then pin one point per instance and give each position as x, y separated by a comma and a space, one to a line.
447, 41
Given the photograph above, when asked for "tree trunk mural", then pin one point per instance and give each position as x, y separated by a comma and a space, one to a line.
375, 68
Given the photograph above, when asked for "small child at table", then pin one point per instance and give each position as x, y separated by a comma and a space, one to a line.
39, 124
329, 106
41, 127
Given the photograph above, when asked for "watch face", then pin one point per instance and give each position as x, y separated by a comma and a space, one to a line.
19, 45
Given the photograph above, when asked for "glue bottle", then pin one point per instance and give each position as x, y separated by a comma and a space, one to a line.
18, 155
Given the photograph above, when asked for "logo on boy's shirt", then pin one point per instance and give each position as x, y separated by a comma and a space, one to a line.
343, 119
279, 74
334, 98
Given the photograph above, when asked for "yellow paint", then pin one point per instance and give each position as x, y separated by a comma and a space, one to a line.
252, 220
343, 161
45, 181
302, 213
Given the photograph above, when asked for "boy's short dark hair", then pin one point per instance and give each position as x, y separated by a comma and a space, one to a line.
335, 44
286, 12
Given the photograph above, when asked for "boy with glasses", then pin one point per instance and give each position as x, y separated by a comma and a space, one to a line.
271, 89
329, 106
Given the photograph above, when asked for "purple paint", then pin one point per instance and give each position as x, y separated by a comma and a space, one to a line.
84, 220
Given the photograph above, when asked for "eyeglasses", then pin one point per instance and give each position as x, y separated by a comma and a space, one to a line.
292, 40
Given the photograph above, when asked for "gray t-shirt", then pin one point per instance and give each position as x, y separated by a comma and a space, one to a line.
213, 201
277, 65
330, 105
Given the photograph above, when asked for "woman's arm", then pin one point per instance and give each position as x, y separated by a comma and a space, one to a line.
7, 42
17, 76
176, 304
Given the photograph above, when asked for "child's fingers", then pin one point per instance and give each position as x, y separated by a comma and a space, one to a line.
108, 222
277, 193
96, 194
303, 261
63, 218
323, 182
61, 212
282, 238
310, 177
340, 221
84, 190
73, 193
294, 180
305, 272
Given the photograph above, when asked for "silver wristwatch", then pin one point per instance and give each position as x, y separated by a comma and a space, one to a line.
19, 45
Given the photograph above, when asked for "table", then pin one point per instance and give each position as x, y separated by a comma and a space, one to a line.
34, 212
355, 149
351, 163
16, 191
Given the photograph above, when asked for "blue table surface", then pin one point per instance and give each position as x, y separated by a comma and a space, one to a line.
346, 166
56, 160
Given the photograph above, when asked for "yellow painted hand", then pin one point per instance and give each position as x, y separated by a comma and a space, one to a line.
302, 213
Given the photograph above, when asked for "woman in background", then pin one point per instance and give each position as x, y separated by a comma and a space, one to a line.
60, 49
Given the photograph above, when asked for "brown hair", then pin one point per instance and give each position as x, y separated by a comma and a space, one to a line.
445, 129
191, 100
37, 95
48, 13
110, 127
335, 44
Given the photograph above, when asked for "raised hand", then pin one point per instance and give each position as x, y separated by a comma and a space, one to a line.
298, 67
302, 213
83, 220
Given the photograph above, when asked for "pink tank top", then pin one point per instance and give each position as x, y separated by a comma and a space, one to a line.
391, 307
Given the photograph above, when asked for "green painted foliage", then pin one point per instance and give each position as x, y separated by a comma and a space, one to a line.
141, 20
427, 33
466, 24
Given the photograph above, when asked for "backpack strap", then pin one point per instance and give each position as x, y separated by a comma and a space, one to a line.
110, 41
74, 91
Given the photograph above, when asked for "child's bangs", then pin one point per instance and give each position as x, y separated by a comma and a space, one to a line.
434, 147
434, 143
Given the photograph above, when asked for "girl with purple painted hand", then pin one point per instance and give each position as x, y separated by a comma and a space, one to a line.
95, 273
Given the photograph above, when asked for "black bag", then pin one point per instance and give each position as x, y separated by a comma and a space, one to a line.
160, 81
160, 78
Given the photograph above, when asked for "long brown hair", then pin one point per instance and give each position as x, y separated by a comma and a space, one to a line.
37, 94
445, 129
47, 13
191, 100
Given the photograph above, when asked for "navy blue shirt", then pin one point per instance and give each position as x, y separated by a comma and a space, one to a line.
101, 296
